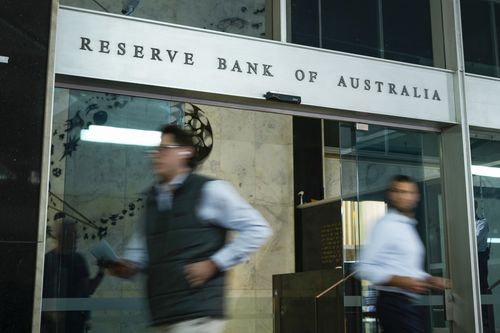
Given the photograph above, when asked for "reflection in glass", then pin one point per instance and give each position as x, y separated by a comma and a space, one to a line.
242, 17
97, 187
100, 185
66, 276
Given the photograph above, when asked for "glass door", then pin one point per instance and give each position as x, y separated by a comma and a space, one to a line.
367, 157
100, 172
485, 155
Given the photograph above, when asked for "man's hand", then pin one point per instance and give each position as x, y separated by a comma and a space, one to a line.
438, 282
410, 284
200, 272
123, 268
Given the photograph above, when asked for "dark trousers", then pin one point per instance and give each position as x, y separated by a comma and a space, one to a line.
487, 309
398, 313
483, 271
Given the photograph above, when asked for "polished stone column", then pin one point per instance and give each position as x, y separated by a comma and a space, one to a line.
24, 40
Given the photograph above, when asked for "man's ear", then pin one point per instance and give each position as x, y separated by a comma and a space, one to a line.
187, 152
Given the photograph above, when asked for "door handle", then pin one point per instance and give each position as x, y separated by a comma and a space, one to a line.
448, 304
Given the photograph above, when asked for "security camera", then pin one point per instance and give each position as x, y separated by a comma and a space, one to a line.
274, 96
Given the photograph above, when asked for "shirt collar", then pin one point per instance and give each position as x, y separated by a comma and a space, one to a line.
174, 184
401, 218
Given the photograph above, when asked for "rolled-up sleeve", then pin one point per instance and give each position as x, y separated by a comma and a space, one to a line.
221, 205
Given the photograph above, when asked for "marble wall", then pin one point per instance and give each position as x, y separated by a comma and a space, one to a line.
244, 17
251, 150
332, 170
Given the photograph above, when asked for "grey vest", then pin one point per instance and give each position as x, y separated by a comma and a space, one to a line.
175, 238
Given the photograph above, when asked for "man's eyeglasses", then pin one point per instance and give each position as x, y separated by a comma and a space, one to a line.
397, 190
162, 148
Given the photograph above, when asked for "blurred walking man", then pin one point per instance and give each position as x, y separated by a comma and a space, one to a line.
182, 245
393, 261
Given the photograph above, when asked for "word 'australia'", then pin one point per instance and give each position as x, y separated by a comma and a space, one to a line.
136, 51
390, 88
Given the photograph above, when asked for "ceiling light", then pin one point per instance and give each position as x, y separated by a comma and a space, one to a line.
124, 136
487, 171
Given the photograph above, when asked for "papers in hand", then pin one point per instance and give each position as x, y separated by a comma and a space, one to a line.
103, 251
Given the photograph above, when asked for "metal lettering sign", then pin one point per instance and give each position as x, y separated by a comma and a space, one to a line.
111, 47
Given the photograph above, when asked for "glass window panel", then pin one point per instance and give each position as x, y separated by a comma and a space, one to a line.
243, 17
350, 26
497, 38
369, 159
358, 165
407, 31
477, 31
99, 187
390, 29
305, 22
485, 152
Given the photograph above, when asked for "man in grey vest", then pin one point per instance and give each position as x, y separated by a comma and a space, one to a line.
182, 246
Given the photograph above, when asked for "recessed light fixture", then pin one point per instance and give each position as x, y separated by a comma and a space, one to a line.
494, 240
486, 171
123, 136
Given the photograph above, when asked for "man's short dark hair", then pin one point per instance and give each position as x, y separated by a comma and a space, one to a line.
402, 179
182, 138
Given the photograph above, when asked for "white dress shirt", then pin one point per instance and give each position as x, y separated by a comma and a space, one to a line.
394, 249
221, 206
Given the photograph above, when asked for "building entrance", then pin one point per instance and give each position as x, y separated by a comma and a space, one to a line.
333, 223
97, 184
